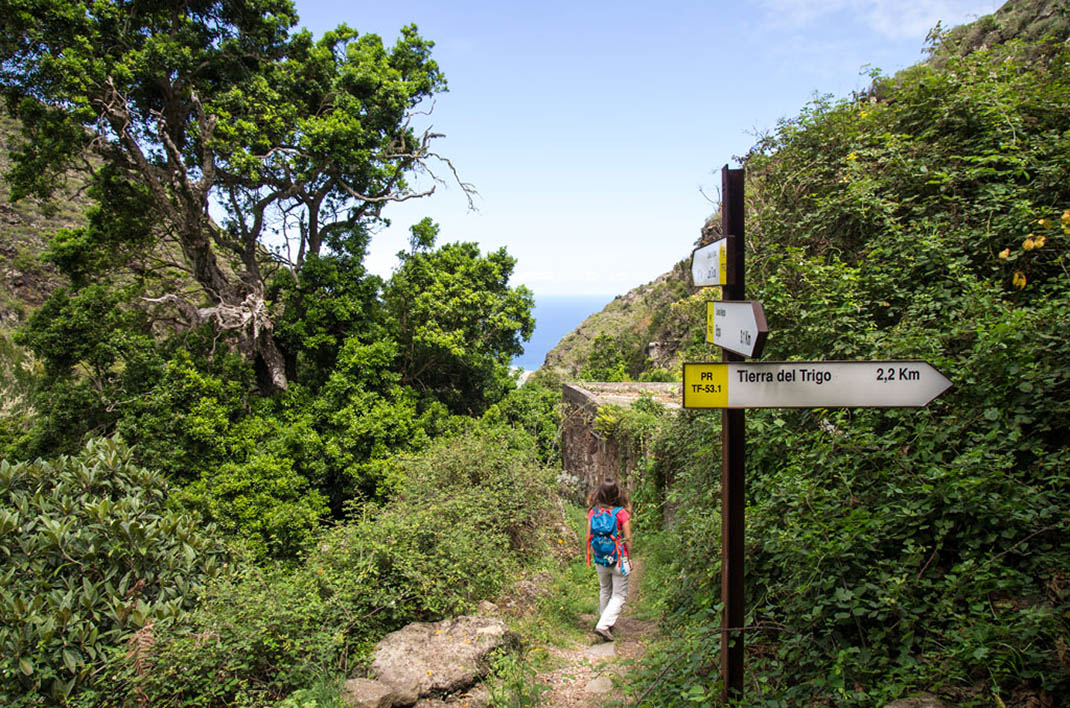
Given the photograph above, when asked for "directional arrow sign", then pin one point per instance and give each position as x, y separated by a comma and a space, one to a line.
812, 384
736, 325
710, 264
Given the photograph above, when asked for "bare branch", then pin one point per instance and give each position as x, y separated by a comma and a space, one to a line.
117, 110
383, 197
207, 125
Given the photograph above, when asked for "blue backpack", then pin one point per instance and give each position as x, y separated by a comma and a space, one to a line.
603, 541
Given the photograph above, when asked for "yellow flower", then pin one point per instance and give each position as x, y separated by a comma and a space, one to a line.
852, 156
863, 114
1019, 280
1043, 223
1005, 254
1028, 244
1039, 241
1065, 218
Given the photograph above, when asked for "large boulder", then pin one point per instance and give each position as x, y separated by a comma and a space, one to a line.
437, 659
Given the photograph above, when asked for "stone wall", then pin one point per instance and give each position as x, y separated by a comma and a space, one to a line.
585, 453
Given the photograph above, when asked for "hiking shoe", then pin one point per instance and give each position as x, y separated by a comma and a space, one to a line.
604, 634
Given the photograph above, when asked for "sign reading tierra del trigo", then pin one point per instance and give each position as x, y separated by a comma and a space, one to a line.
812, 384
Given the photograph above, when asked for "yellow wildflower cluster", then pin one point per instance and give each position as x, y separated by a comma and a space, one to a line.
1034, 241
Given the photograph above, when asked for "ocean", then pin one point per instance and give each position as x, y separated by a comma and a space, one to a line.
556, 316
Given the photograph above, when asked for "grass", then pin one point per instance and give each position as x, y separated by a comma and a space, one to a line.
572, 591
555, 619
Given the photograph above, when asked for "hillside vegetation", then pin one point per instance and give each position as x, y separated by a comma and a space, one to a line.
890, 552
228, 468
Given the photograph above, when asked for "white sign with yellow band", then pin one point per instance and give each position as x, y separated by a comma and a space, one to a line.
812, 384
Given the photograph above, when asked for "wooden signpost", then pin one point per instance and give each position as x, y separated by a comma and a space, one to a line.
739, 328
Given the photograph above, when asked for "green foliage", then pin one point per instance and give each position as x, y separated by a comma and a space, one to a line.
261, 499
269, 469
119, 229
224, 103
18, 372
457, 322
515, 682
896, 551
534, 408
90, 554
332, 297
605, 362
260, 635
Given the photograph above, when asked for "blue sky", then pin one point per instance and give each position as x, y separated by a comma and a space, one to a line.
592, 129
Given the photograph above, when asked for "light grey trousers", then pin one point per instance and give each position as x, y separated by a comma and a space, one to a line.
614, 588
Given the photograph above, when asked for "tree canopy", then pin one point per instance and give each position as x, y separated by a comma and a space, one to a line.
223, 143
218, 313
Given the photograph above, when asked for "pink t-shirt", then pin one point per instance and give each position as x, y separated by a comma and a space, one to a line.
622, 516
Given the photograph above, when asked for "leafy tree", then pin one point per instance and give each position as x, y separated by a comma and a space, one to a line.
181, 106
606, 361
457, 322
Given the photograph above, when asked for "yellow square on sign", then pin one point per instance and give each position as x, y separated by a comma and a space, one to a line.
705, 385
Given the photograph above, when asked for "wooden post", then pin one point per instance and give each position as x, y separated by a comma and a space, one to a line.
733, 460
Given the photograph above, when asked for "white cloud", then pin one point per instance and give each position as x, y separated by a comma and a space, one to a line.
897, 19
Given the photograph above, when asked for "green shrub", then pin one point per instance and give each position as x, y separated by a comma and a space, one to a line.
891, 552
535, 408
90, 555
255, 638
466, 514
17, 370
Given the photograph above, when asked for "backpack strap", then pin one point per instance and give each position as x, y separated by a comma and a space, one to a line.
616, 538
590, 536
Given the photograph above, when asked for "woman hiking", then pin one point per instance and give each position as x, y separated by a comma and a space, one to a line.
609, 541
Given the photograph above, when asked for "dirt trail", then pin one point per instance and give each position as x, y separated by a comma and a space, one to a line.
586, 673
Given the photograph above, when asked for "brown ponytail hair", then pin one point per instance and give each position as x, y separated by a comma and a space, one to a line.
609, 494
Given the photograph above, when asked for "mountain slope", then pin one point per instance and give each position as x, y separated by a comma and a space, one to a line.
25, 227
655, 325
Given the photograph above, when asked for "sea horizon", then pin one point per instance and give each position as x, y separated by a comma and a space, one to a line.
556, 316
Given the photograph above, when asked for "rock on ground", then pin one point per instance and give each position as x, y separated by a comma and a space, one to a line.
435, 659
602, 684
478, 697
365, 693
